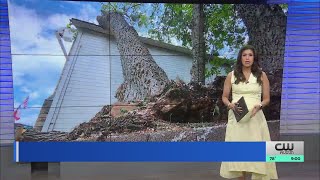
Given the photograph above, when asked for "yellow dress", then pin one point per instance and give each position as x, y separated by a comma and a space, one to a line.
248, 129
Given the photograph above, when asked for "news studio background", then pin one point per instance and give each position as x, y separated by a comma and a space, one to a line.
71, 109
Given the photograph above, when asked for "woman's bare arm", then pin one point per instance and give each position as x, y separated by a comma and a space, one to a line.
265, 90
226, 90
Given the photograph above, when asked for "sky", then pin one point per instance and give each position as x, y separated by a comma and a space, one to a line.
36, 54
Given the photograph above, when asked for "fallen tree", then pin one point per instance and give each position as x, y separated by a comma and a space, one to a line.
182, 112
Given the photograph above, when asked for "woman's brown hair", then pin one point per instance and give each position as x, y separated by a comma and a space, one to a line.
255, 68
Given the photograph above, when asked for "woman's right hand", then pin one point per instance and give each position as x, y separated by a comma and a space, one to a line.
235, 107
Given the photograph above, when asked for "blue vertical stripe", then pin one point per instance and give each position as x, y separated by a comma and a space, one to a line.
6, 104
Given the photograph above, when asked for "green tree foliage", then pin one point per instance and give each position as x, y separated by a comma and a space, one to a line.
173, 22
223, 28
216, 64
224, 31
72, 30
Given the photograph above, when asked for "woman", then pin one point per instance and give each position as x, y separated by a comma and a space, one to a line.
249, 81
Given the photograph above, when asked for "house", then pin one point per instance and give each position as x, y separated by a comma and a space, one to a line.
93, 72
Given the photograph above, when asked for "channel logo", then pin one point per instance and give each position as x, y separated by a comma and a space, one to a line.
285, 151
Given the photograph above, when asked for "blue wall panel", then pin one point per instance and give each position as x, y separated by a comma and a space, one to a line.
300, 102
6, 85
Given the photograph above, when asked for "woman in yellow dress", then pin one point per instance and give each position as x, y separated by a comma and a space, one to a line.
249, 81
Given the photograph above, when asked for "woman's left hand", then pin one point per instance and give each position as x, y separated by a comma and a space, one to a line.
255, 109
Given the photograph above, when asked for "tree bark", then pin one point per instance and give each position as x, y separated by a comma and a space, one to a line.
142, 76
266, 26
198, 45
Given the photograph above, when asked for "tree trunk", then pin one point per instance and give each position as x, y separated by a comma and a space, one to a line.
142, 76
266, 25
198, 45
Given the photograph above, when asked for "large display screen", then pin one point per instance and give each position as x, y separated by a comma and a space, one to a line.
91, 71
156, 72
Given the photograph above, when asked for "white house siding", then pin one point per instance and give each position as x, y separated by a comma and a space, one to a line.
87, 84
83, 88
300, 88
